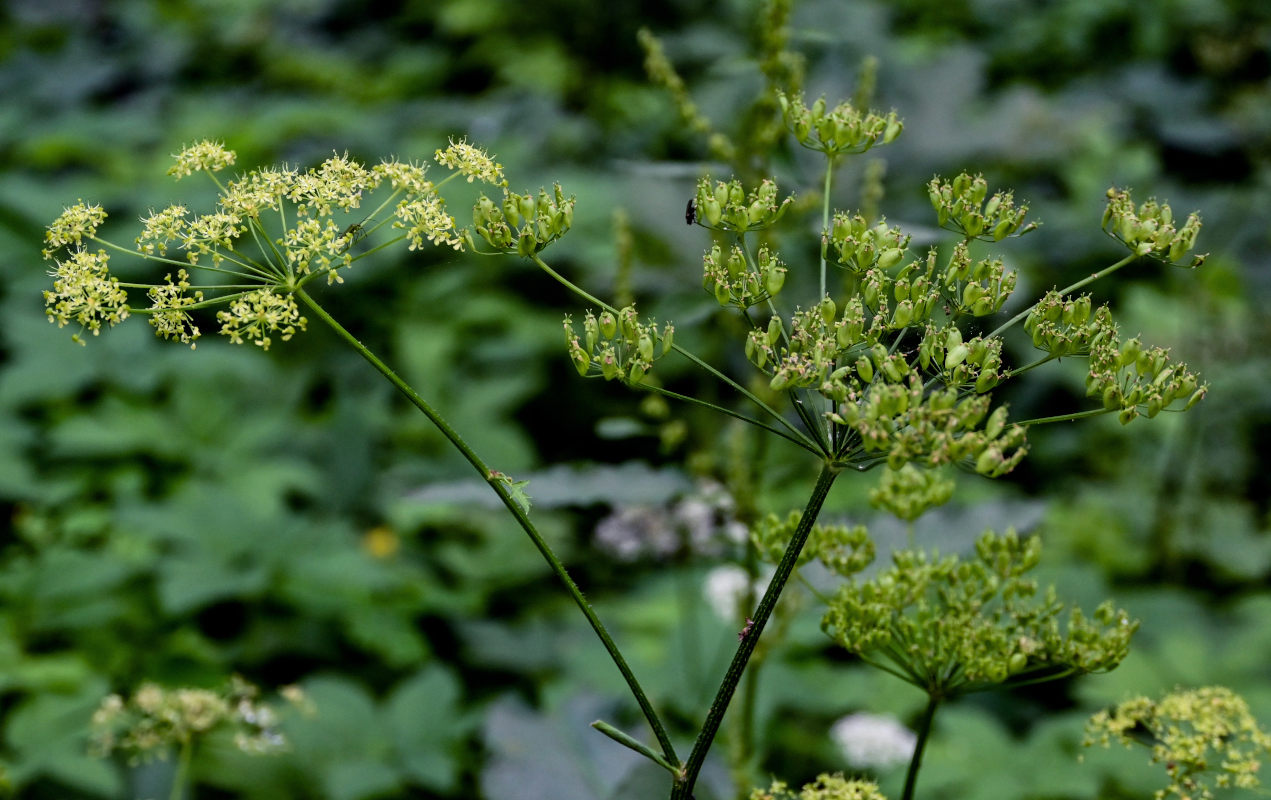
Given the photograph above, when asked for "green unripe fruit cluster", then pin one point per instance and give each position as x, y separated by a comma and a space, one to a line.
1149, 230
857, 245
617, 346
524, 224
960, 204
727, 206
838, 130
734, 282
1132, 381
980, 288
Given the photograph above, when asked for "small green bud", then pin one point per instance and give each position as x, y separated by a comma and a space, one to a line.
996, 423
774, 331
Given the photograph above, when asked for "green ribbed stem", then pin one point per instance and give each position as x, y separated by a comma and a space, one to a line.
514, 508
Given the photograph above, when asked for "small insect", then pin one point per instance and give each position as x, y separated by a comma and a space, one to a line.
690, 211
744, 632
352, 235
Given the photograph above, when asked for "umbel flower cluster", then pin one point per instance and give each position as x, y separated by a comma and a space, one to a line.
825, 787
1206, 738
271, 232
950, 626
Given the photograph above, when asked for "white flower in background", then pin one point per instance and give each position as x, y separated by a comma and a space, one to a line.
634, 532
725, 589
875, 741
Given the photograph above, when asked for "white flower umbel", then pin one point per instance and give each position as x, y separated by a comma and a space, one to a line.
876, 741
725, 590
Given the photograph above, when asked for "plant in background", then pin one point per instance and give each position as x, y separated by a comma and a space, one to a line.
1206, 738
891, 365
153, 721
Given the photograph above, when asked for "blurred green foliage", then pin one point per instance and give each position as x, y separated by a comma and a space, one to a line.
177, 516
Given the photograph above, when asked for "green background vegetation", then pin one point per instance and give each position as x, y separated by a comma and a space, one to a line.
181, 516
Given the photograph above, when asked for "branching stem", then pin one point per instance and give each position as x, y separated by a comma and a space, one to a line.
514, 508
683, 788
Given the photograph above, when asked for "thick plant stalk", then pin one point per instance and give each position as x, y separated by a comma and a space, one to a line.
514, 508
924, 731
683, 787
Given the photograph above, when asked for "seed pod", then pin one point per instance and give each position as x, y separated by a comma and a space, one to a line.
996, 423
894, 127
608, 324
581, 360
828, 310
865, 368
645, 348
902, 315
774, 331
956, 356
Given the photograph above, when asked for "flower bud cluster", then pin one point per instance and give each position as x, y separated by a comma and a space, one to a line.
976, 362
843, 550
617, 346
952, 626
734, 282
1206, 738
1065, 326
727, 206
1149, 230
910, 491
977, 289
1132, 380
524, 224
857, 245
961, 206
838, 130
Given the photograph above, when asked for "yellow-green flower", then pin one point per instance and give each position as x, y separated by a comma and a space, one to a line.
471, 161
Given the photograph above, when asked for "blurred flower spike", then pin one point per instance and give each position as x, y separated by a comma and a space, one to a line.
272, 231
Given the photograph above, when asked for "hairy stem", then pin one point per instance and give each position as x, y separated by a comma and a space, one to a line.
683, 788
516, 511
